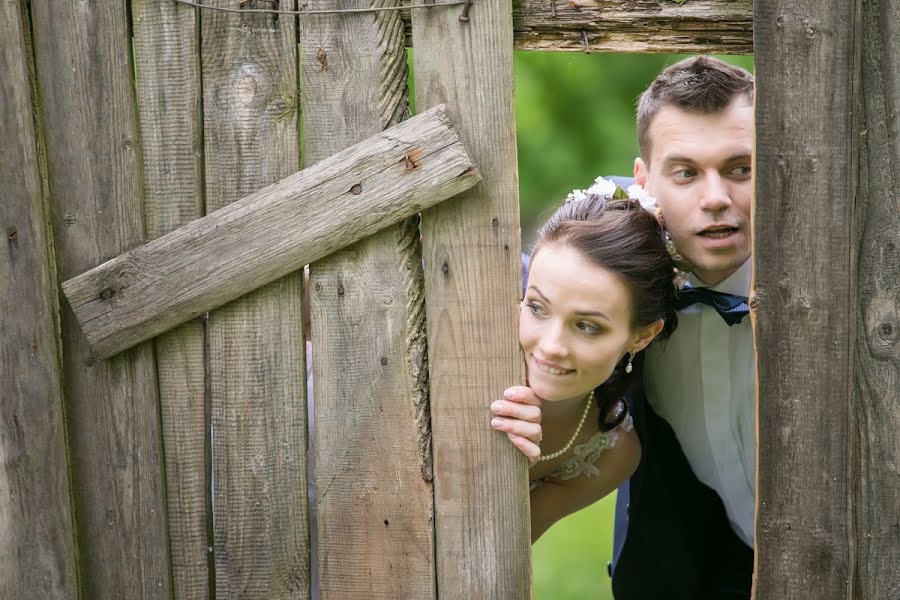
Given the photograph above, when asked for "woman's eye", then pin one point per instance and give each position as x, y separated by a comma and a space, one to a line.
588, 328
536, 309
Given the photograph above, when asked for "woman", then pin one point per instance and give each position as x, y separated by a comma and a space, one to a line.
599, 290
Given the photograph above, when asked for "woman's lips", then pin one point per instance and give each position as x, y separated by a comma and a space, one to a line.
552, 369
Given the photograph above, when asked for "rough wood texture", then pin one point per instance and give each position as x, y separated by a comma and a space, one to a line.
876, 368
472, 274
167, 71
368, 318
806, 174
37, 537
85, 84
271, 232
256, 347
708, 26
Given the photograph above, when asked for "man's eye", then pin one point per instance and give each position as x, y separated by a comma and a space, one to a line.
684, 173
588, 328
537, 309
741, 171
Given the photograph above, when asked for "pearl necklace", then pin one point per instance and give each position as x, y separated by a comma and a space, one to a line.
558, 453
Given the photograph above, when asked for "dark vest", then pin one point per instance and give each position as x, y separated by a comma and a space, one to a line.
679, 542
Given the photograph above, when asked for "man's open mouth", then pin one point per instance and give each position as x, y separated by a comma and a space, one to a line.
718, 233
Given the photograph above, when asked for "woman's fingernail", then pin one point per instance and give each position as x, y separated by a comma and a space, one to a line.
496, 423
496, 406
509, 393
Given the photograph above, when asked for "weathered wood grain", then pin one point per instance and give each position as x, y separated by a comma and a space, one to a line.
806, 174
709, 26
256, 347
472, 276
167, 73
876, 367
37, 535
368, 331
270, 232
83, 56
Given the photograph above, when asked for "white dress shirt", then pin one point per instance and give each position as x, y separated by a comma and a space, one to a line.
701, 380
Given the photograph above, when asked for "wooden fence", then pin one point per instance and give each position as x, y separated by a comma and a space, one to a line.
122, 122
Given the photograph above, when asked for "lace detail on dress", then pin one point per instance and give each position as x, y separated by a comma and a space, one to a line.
586, 454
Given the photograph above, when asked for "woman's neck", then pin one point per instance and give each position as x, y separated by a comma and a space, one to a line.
563, 411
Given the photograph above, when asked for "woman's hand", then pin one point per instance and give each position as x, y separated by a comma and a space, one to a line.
519, 415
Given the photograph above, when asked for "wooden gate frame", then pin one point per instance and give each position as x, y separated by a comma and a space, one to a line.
825, 295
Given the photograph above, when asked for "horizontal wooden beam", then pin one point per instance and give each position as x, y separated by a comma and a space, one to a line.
707, 26
271, 233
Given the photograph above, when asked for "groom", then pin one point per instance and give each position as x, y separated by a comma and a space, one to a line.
691, 507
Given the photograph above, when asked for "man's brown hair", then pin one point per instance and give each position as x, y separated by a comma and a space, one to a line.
700, 84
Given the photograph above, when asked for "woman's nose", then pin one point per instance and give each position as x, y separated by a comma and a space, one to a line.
552, 343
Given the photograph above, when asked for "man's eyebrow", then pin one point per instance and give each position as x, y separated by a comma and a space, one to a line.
680, 158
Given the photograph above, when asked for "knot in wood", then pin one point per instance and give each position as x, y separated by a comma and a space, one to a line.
318, 287
107, 293
384, 360
445, 269
13, 234
340, 290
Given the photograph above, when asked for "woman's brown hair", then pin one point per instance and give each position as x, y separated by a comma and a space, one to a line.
622, 237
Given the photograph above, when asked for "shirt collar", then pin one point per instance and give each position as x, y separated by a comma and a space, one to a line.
738, 283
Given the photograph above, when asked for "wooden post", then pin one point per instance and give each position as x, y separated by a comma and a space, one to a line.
267, 234
167, 73
37, 537
256, 347
83, 60
472, 276
875, 308
826, 284
373, 445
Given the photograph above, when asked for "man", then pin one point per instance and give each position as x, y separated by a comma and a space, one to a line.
691, 510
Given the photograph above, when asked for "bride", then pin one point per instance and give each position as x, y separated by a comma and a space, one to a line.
599, 290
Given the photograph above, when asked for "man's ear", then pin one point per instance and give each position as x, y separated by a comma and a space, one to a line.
646, 334
641, 172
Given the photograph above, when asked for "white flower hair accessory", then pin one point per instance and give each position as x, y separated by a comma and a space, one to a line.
610, 191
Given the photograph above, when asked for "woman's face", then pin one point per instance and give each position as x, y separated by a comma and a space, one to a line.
575, 323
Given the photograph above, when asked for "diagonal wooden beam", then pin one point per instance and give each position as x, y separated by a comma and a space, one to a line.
708, 26
270, 233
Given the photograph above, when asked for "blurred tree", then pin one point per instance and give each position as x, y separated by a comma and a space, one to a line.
575, 121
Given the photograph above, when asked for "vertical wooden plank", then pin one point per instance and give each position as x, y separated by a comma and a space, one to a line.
876, 368
37, 538
806, 169
472, 275
256, 348
167, 73
375, 502
83, 57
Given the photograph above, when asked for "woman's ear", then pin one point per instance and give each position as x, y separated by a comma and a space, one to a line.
645, 335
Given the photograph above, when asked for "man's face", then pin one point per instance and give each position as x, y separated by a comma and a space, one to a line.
699, 172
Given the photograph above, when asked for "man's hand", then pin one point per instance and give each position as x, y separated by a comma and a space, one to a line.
519, 415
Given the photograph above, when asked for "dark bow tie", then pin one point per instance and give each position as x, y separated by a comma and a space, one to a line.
730, 307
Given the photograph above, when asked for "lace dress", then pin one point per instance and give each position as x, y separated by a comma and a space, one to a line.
586, 454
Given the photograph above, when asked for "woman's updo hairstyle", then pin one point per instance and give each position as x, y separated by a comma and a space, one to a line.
622, 237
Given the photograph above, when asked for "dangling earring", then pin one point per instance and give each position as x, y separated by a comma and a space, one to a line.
629, 368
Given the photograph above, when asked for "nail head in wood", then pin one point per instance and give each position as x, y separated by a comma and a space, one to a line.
356, 190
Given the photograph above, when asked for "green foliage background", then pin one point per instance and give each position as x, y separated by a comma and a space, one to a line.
575, 121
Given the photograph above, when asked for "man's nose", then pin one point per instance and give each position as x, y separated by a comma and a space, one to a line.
716, 195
